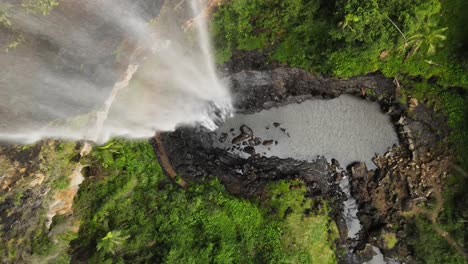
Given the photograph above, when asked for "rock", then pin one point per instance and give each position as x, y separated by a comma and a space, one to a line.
249, 150
37, 180
257, 141
267, 142
367, 253
276, 124
413, 102
239, 139
223, 137
246, 130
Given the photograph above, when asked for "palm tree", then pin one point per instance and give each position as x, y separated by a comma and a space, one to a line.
111, 242
428, 39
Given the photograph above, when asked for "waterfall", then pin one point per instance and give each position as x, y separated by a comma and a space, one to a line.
95, 70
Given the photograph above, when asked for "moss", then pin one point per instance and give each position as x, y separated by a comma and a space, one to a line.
308, 232
390, 240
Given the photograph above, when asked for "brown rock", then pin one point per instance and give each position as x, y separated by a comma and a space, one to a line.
239, 139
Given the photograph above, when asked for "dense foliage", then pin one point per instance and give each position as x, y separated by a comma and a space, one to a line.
421, 43
350, 37
430, 247
132, 213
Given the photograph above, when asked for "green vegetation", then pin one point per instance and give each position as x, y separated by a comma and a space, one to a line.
307, 231
34, 174
349, 37
131, 212
15, 37
40, 6
430, 247
421, 43
390, 240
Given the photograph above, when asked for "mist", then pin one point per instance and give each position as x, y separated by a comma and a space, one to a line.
95, 70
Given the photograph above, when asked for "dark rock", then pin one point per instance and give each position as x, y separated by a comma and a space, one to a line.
262, 169
246, 130
276, 124
267, 142
257, 141
249, 150
223, 137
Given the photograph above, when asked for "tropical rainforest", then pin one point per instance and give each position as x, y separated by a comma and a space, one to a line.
129, 210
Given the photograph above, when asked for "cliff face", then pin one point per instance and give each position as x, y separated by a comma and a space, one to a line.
33, 177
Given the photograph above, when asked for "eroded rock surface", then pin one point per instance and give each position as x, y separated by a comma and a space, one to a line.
246, 177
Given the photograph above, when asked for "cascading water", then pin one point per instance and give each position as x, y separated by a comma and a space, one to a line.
100, 69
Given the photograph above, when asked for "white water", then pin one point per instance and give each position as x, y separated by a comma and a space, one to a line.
170, 79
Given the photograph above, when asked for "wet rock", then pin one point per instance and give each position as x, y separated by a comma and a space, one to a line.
239, 139
267, 142
258, 90
262, 169
257, 141
249, 150
223, 137
246, 130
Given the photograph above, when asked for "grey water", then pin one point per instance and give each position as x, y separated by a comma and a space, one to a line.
346, 128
